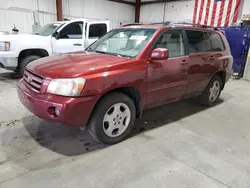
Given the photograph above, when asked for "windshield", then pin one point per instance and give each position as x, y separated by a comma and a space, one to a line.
124, 42
48, 29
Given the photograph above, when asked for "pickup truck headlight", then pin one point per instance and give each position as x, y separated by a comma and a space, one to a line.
66, 87
4, 46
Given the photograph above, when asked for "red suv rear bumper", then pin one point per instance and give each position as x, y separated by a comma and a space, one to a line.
229, 73
72, 111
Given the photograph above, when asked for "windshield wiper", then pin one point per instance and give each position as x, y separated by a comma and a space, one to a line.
101, 52
92, 50
89, 49
121, 55
97, 51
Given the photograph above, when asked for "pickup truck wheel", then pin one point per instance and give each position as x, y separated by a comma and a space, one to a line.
212, 92
113, 118
25, 61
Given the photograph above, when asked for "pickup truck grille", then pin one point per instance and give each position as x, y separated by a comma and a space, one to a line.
33, 81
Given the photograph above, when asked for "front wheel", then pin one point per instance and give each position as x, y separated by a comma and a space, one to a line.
113, 118
212, 92
25, 61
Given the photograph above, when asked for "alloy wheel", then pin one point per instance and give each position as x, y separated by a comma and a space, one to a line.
214, 91
116, 120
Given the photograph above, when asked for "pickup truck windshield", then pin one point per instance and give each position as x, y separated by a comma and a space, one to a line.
48, 29
127, 42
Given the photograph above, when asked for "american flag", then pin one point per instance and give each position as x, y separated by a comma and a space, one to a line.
217, 13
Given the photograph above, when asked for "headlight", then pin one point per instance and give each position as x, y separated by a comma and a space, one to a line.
4, 46
66, 87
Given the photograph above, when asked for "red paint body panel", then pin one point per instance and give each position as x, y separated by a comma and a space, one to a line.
74, 111
167, 80
74, 65
158, 81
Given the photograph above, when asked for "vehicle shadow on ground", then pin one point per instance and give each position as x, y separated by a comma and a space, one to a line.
164, 115
59, 138
70, 141
6, 76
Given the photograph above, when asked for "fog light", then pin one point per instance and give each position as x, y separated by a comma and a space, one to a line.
57, 112
53, 112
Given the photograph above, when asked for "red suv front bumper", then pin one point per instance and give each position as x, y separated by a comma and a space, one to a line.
72, 111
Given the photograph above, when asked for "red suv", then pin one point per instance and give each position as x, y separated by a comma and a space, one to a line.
128, 70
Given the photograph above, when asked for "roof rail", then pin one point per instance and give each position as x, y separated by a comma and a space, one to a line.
192, 24
155, 23
131, 24
160, 23
175, 23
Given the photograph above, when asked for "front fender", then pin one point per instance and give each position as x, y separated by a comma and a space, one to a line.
132, 76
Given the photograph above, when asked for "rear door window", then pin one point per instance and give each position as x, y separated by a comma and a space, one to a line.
217, 43
208, 42
97, 30
196, 41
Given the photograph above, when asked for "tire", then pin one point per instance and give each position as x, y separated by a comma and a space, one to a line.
212, 92
25, 61
17, 70
113, 118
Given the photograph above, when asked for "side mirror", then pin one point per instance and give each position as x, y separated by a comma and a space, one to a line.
63, 35
56, 35
159, 54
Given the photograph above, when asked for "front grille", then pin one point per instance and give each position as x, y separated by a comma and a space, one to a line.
33, 81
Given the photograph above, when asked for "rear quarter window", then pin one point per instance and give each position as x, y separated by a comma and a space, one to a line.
217, 43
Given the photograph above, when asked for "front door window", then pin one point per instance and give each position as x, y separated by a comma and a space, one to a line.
173, 41
72, 31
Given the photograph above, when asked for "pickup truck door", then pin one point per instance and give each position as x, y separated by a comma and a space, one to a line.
94, 30
70, 38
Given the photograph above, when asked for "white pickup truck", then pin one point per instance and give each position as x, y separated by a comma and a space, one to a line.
16, 51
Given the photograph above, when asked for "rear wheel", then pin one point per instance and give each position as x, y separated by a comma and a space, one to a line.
212, 92
113, 118
25, 61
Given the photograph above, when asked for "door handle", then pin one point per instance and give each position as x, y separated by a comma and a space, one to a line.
212, 58
184, 62
77, 44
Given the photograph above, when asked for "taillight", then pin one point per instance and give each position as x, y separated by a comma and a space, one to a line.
226, 62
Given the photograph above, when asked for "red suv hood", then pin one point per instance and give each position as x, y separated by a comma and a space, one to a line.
73, 64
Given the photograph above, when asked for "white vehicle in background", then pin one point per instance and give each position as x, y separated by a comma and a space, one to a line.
16, 51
